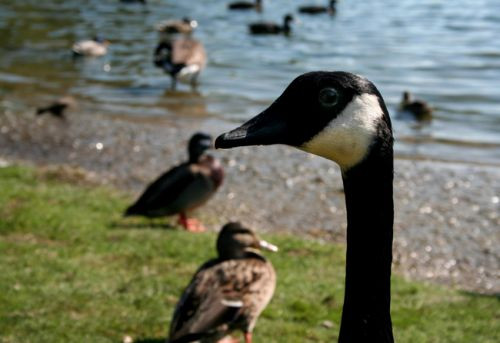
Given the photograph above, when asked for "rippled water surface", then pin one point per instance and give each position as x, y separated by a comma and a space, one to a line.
446, 52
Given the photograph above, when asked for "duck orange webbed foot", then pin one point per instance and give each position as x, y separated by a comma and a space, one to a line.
229, 339
191, 224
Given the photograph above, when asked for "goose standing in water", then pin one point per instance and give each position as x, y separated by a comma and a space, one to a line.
246, 5
92, 47
269, 28
316, 9
227, 293
342, 117
184, 187
183, 58
418, 108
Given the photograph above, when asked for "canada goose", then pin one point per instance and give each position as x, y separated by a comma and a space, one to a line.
227, 293
91, 47
174, 26
317, 9
58, 107
420, 109
245, 5
182, 58
184, 187
343, 117
262, 28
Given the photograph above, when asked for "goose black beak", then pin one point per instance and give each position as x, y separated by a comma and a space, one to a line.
265, 129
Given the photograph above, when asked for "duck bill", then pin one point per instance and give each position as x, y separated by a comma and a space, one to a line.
265, 129
268, 246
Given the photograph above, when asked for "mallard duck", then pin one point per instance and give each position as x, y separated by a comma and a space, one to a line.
58, 107
418, 108
182, 58
246, 5
91, 47
342, 117
270, 28
226, 293
317, 9
184, 187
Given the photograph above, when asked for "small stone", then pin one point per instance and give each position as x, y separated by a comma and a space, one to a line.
327, 324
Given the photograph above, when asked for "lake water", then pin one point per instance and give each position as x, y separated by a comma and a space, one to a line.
446, 52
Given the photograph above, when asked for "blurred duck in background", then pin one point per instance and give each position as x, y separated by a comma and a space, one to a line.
168, 28
317, 9
270, 28
227, 293
133, 1
418, 108
92, 47
246, 5
178, 54
58, 107
184, 187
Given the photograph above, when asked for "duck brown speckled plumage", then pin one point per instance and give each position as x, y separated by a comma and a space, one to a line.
227, 293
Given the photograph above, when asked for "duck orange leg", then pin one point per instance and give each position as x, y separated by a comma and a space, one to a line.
190, 224
248, 337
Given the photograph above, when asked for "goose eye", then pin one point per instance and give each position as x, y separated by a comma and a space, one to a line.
328, 97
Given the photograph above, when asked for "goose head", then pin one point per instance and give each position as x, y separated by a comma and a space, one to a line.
198, 144
336, 115
236, 241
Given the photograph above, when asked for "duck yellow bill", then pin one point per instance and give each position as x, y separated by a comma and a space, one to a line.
268, 246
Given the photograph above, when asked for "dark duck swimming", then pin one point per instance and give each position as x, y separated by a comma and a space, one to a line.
270, 28
227, 293
246, 5
184, 187
342, 117
317, 9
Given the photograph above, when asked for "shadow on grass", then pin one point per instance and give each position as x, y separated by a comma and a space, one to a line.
481, 295
141, 225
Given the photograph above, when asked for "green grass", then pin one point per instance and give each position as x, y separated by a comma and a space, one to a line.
73, 271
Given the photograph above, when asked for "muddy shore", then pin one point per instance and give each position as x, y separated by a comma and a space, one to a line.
447, 224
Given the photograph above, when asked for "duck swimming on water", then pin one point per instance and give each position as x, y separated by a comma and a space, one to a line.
317, 9
92, 47
226, 293
418, 108
270, 28
342, 117
246, 5
184, 187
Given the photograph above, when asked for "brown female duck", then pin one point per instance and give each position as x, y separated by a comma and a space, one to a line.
227, 293
184, 187
418, 108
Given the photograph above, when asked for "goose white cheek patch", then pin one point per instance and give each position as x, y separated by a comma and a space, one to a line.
347, 139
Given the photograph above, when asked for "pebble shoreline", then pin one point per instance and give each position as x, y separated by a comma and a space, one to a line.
447, 224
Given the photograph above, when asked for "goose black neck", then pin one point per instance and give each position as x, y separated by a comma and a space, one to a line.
370, 216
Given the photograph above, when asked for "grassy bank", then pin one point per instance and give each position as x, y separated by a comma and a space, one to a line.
74, 271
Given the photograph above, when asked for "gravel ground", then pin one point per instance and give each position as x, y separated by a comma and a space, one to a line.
447, 214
